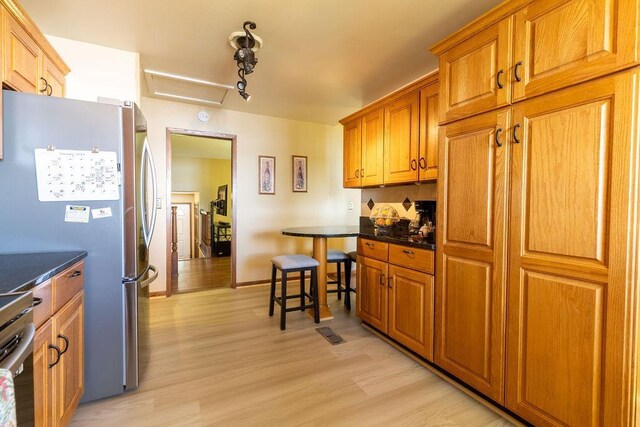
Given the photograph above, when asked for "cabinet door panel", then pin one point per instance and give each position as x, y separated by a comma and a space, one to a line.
54, 77
351, 154
68, 322
469, 73
22, 57
470, 297
428, 162
401, 124
371, 298
568, 282
373, 148
560, 43
43, 376
411, 309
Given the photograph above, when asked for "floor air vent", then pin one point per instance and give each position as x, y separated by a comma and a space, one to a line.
330, 336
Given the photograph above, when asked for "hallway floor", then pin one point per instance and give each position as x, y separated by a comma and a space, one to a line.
218, 359
198, 274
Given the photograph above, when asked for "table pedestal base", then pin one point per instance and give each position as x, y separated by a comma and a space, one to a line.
320, 254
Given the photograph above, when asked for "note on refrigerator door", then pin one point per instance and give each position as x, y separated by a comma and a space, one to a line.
73, 213
76, 175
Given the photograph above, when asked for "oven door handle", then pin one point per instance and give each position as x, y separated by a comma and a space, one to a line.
17, 357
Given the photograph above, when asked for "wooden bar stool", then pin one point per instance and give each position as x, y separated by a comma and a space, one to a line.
353, 257
339, 258
290, 264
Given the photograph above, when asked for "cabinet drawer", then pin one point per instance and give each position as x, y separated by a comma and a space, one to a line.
43, 311
415, 259
67, 284
373, 249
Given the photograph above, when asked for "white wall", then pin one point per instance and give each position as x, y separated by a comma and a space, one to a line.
98, 71
261, 217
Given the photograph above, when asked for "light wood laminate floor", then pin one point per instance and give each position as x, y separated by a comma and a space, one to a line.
197, 274
218, 359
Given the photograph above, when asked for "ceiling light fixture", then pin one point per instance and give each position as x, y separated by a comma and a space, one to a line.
246, 46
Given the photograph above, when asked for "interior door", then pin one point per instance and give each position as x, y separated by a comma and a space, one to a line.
560, 43
470, 297
569, 338
184, 230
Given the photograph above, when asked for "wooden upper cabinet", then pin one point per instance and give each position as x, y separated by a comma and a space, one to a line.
401, 140
372, 162
471, 251
428, 159
68, 327
22, 57
411, 309
371, 298
474, 74
351, 154
569, 341
560, 43
54, 78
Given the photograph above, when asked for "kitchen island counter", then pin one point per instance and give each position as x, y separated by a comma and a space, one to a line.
24, 271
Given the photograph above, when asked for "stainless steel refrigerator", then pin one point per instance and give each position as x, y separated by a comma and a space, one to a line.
117, 269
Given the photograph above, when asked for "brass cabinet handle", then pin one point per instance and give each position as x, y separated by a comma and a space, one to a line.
498, 132
422, 162
414, 164
357, 173
66, 343
408, 252
46, 85
59, 353
515, 134
382, 279
498, 82
516, 75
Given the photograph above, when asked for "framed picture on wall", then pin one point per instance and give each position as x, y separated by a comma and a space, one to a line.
299, 174
266, 175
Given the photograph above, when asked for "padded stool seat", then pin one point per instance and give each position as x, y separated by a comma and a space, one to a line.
334, 255
288, 264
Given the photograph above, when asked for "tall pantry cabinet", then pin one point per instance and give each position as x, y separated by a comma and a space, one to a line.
539, 175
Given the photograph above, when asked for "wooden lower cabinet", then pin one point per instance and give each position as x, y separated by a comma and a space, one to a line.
371, 298
397, 300
58, 361
411, 309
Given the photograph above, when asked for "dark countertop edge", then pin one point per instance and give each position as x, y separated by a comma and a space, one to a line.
328, 235
399, 241
75, 257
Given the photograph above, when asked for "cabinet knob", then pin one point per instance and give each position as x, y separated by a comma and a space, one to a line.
58, 354
515, 134
498, 82
497, 137
422, 162
516, 75
46, 85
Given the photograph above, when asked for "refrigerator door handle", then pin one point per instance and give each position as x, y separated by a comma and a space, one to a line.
150, 279
147, 162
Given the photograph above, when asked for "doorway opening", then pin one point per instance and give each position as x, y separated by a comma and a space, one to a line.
201, 223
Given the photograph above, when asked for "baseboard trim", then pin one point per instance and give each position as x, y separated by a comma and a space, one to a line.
157, 294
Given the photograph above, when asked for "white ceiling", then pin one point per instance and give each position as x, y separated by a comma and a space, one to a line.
321, 59
200, 147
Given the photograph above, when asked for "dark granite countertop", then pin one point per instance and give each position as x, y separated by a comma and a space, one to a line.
22, 272
405, 241
323, 231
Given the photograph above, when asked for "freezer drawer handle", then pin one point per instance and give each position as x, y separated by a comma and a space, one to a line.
76, 273
66, 343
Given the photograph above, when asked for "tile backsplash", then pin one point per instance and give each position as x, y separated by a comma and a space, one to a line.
395, 196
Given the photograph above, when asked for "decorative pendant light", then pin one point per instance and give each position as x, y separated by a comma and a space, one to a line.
246, 45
